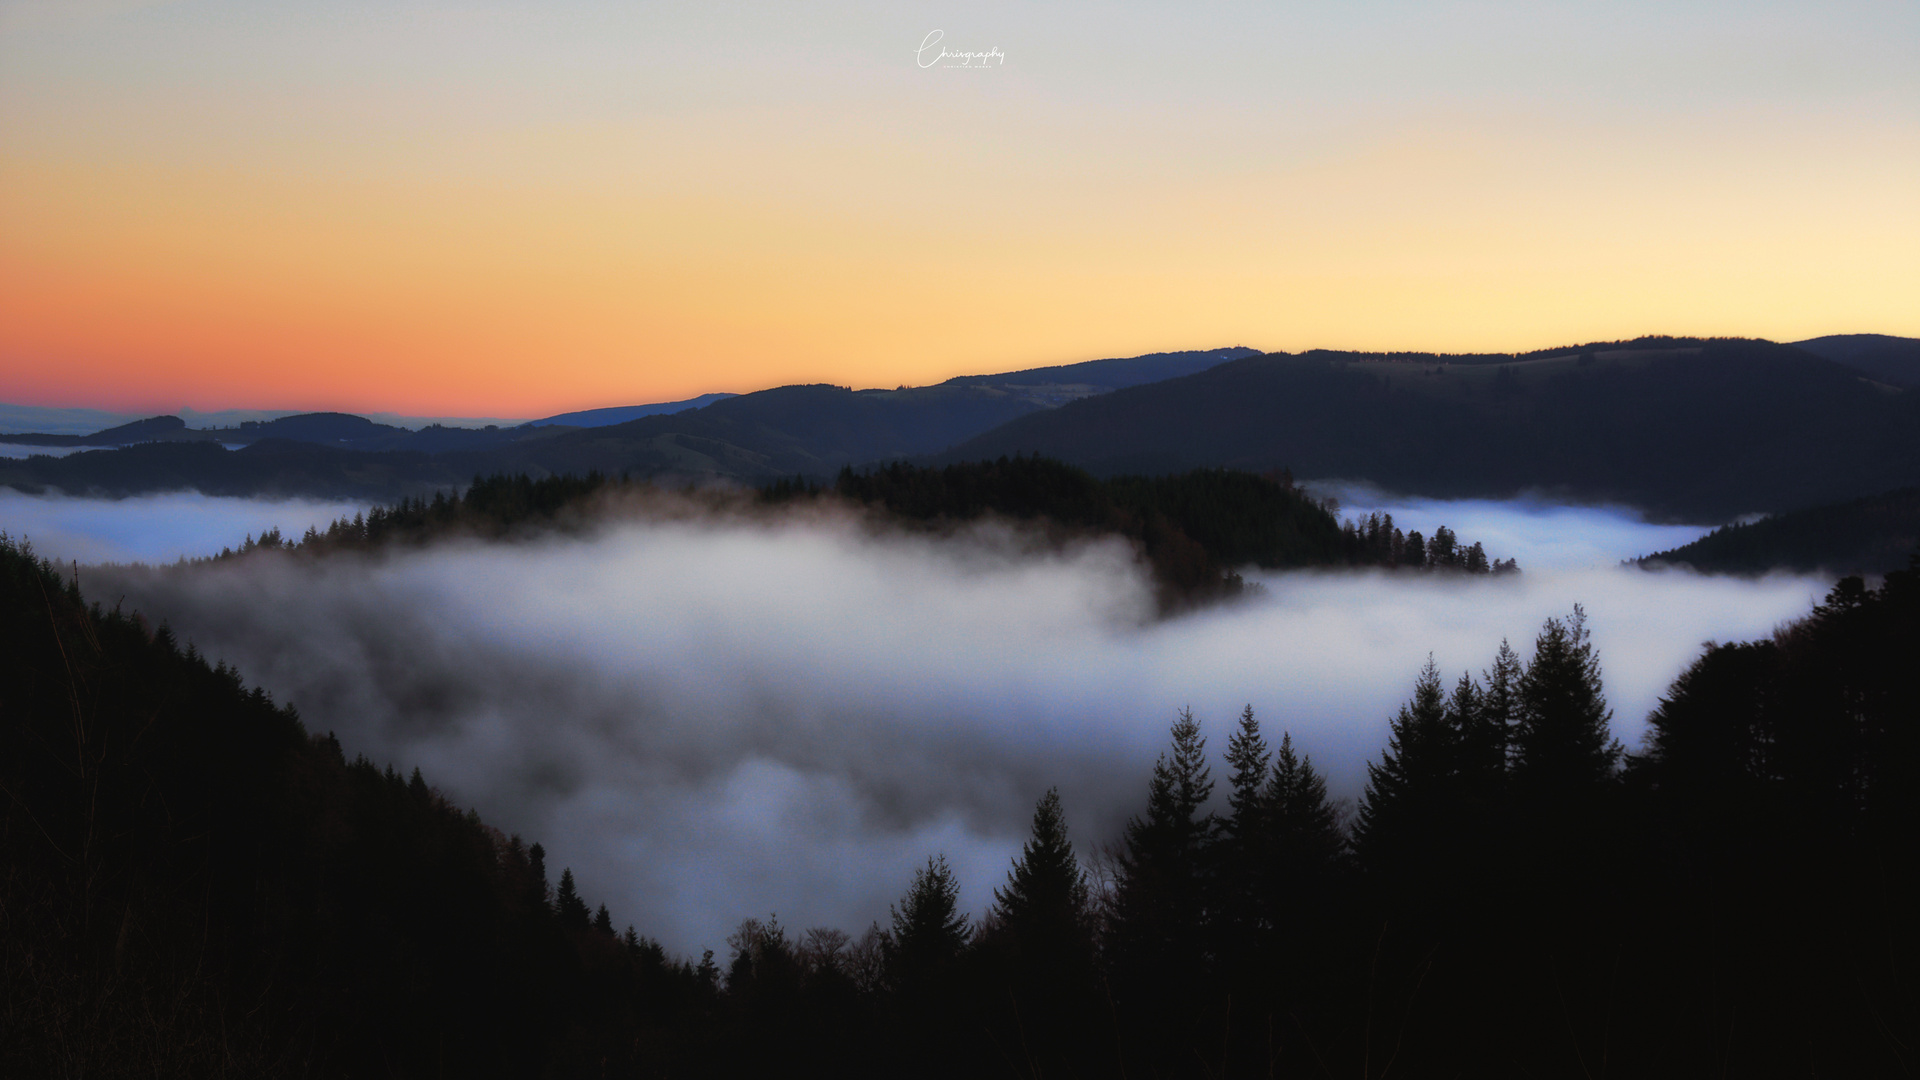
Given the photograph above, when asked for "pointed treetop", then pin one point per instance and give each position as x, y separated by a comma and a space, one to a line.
1561, 736
567, 904
1182, 782
1046, 888
1248, 755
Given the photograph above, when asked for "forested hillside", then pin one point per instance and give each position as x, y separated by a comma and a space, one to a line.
1194, 531
1693, 430
1865, 536
194, 885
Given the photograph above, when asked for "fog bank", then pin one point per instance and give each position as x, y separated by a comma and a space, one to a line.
710, 720
18, 451
1543, 535
154, 528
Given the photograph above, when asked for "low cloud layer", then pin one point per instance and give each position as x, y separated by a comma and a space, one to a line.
154, 528
1542, 535
713, 720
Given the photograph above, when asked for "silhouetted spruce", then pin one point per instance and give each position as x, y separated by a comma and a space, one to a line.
1563, 751
1304, 840
1043, 909
1161, 914
1246, 833
929, 930
1039, 947
1402, 824
572, 910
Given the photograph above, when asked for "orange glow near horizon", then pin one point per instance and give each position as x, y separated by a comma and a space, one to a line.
166, 246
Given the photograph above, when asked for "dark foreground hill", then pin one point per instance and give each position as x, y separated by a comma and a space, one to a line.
1693, 430
1864, 536
193, 885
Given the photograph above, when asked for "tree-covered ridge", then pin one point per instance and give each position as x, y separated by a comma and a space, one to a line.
1865, 536
194, 885
491, 507
1194, 530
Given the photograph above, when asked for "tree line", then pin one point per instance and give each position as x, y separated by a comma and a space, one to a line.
194, 884
1194, 530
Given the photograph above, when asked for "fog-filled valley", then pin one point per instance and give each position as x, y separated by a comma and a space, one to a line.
715, 717
1022, 542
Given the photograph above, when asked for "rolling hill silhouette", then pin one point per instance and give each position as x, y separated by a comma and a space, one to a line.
1685, 429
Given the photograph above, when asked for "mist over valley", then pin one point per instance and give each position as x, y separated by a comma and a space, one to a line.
713, 717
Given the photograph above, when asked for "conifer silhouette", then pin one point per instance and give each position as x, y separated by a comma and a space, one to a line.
568, 906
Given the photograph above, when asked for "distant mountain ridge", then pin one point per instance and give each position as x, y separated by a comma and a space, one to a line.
1688, 429
1700, 430
812, 430
1057, 385
620, 414
1893, 360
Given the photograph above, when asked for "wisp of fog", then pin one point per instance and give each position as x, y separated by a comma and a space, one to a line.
155, 528
708, 719
1542, 534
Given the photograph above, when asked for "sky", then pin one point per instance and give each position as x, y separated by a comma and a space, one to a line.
713, 717
516, 209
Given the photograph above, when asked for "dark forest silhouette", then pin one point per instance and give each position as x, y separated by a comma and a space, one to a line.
193, 884
1863, 536
1193, 530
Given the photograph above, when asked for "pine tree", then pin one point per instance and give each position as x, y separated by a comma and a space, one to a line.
1243, 851
1411, 788
1248, 756
1303, 824
603, 921
1481, 759
1563, 750
1299, 890
929, 930
1160, 912
1500, 702
1042, 939
1476, 559
568, 906
538, 893
1043, 908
